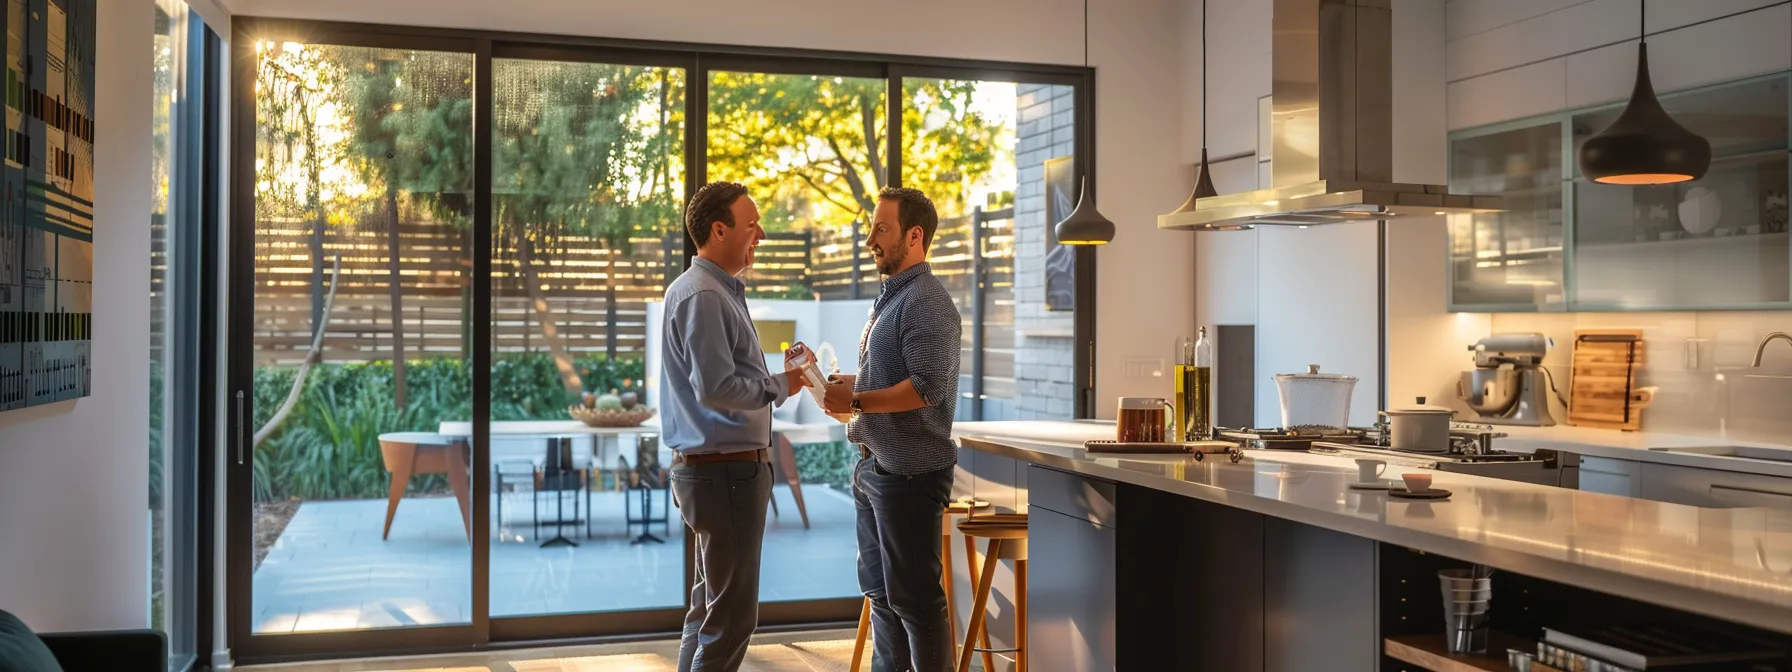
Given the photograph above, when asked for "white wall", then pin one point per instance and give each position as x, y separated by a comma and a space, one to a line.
74, 485
1140, 169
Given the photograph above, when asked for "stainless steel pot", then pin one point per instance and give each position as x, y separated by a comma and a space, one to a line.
1419, 428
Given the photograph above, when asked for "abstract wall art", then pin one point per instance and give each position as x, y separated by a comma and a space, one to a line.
46, 204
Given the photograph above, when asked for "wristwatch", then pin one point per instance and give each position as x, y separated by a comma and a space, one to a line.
856, 409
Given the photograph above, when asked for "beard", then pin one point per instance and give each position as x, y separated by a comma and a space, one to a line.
888, 261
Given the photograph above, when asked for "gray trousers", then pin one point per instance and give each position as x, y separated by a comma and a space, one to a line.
724, 505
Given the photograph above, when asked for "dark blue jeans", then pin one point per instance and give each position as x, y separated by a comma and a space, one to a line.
899, 566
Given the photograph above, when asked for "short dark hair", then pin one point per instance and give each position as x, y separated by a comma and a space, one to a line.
916, 210
714, 202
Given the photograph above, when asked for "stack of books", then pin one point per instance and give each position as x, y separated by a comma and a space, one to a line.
1679, 647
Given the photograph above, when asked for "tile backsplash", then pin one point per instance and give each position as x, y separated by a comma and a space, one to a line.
1699, 361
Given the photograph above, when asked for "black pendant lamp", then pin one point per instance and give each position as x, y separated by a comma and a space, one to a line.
1645, 145
1085, 225
1204, 180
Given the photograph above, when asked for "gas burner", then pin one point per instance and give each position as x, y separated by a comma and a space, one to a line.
1288, 439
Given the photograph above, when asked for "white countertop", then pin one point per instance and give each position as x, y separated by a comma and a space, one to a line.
1638, 447
1734, 564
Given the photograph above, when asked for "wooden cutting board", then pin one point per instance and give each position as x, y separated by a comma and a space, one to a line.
1603, 387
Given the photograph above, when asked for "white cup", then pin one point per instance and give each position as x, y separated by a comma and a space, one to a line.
1368, 471
1416, 481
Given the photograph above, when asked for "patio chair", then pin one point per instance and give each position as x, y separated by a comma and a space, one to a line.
648, 476
560, 472
522, 466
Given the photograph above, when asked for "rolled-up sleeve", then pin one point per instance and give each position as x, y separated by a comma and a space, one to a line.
930, 347
719, 383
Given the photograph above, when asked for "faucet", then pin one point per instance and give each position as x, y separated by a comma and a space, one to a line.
1763, 346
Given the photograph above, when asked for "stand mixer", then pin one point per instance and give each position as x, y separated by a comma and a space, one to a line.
1506, 386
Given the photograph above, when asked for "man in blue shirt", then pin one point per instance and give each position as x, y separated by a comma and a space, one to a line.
902, 402
716, 411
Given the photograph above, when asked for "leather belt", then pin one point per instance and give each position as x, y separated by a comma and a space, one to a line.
711, 458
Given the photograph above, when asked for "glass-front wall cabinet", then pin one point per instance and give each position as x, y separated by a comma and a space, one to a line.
1716, 243
1509, 260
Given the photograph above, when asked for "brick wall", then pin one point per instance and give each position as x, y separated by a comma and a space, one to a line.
1044, 347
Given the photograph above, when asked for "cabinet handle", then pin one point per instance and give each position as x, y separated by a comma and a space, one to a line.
240, 440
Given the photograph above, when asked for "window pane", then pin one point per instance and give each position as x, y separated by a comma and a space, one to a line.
162, 90
811, 151
997, 158
363, 183
587, 185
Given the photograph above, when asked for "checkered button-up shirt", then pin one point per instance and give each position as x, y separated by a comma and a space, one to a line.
912, 334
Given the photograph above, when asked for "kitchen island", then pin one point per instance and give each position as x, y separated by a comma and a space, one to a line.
1276, 563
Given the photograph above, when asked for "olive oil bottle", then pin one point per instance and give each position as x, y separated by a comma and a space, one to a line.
1193, 402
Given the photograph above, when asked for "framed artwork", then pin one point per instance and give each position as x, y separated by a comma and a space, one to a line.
1060, 260
46, 205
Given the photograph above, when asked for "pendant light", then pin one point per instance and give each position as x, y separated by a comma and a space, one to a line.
1204, 180
1085, 225
1645, 145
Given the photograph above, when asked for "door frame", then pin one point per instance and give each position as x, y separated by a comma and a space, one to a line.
482, 631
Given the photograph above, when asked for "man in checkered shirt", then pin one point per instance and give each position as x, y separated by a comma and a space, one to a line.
902, 402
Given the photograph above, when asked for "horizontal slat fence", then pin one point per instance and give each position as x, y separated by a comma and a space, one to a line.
575, 277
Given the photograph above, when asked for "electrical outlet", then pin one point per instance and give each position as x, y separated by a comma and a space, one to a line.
1143, 368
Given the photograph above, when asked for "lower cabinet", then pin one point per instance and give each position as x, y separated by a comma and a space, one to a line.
1608, 476
1714, 488
1130, 578
1071, 611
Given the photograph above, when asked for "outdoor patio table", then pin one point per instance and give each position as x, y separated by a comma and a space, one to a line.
606, 446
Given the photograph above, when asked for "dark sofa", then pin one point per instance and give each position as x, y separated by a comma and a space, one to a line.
110, 651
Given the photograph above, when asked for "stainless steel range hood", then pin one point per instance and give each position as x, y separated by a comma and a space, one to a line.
1332, 129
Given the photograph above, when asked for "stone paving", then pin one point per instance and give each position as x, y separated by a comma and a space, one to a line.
331, 571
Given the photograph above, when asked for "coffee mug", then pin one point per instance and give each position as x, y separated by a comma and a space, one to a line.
1368, 471
1141, 420
1416, 481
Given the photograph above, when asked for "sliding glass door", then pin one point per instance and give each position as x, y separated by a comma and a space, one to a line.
587, 186
358, 511
448, 247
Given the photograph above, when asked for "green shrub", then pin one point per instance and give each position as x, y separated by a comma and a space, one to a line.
329, 446
829, 463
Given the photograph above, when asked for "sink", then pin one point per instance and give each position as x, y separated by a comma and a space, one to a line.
1744, 452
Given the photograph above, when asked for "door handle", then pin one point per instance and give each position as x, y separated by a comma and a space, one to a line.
239, 427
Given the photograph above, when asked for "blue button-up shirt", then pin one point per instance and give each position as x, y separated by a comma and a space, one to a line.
913, 334
716, 395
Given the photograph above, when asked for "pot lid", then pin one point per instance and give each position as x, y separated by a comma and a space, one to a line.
1314, 374
1421, 408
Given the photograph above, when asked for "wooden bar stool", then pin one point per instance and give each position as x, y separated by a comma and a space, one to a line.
963, 506
1007, 535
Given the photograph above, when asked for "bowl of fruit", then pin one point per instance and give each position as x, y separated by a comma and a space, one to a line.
610, 410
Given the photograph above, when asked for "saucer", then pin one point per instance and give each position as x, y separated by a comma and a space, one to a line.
1434, 493
1373, 485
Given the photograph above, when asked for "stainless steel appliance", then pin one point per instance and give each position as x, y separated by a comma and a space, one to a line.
1509, 385
1332, 130
1471, 452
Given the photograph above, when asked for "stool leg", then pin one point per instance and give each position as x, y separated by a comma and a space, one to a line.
982, 635
946, 577
979, 607
858, 645
1020, 614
